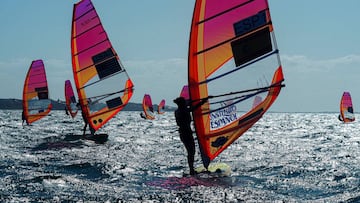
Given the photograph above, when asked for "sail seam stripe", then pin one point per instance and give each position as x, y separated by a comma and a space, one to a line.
91, 46
91, 28
226, 11
92, 9
228, 40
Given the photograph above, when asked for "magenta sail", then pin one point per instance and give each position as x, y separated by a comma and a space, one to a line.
70, 100
36, 102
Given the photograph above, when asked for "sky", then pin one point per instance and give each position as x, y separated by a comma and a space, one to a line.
318, 43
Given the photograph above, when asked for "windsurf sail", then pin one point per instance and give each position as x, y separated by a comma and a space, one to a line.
102, 84
346, 108
233, 57
70, 100
36, 102
185, 93
161, 107
148, 107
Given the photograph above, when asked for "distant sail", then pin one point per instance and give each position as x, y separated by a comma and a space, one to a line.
232, 49
161, 107
346, 108
102, 84
70, 100
257, 101
36, 102
148, 107
185, 92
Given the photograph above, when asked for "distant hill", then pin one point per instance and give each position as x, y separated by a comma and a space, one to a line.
16, 104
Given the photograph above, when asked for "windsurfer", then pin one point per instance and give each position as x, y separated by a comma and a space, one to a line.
66, 111
92, 131
24, 118
183, 120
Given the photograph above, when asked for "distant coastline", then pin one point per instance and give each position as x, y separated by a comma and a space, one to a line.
16, 104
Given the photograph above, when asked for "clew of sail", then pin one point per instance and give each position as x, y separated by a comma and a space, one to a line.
346, 108
70, 100
36, 102
233, 57
102, 84
161, 107
148, 107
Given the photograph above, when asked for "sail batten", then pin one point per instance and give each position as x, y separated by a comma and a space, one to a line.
232, 57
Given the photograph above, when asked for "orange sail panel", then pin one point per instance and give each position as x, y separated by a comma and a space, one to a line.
102, 84
36, 102
346, 108
233, 57
161, 107
148, 107
70, 100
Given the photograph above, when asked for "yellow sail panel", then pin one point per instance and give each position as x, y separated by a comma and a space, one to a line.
36, 102
233, 57
103, 85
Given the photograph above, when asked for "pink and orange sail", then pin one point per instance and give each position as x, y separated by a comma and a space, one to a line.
185, 92
148, 107
70, 100
346, 108
161, 107
232, 50
102, 83
36, 102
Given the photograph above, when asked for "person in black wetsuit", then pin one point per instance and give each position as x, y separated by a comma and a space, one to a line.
92, 131
24, 118
183, 120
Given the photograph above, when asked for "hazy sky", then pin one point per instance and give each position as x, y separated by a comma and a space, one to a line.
318, 41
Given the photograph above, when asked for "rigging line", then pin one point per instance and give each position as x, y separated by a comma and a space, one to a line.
116, 73
240, 67
231, 39
107, 95
226, 11
244, 97
101, 97
277, 84
238, 97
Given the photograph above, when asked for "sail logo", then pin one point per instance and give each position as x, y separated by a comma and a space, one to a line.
223, 117
251, 23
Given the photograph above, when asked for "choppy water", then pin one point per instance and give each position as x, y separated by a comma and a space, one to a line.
299, 157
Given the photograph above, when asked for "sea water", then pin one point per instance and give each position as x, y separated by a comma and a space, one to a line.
297, 157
